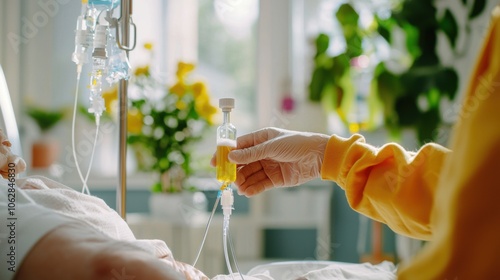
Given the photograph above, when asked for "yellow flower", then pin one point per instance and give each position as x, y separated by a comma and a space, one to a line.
183, 69
179, 89
148, 46
134, 121
205, 109
199, 88
110, 97
202, 101
142, 71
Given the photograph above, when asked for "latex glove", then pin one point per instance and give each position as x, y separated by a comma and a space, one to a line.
273, 157
6, 158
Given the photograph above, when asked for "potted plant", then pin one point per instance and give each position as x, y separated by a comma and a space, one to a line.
410, 98
45, 150
409, 95
164, 123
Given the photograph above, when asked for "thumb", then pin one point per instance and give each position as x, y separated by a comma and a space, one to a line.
248, 155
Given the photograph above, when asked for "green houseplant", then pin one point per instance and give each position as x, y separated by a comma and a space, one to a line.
45, 149
45, 119
411, 98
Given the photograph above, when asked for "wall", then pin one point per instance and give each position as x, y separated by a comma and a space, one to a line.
10, 27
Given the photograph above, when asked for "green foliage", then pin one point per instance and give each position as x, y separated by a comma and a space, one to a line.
164, 122
450, 27
45, 119
409, 99
477, 8
330, 82
171, 133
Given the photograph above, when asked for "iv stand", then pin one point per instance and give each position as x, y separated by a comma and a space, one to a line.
124, 24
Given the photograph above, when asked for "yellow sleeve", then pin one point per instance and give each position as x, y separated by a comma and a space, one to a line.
466, 216
388, 184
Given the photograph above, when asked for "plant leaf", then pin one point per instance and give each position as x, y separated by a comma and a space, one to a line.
322, 42
45, 119
384, 27
447, 82
433, 97
412, 34
450, 27
415, 82
427, 125
347, 15
388, 89
477, 8
407, 110
354, 46
316, 85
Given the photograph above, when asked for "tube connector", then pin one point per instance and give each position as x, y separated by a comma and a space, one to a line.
227, 201
100, 42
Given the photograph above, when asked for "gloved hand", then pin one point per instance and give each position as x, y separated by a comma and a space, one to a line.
273, 157
9, 160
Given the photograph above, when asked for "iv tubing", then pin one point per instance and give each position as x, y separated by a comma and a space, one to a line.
92, 155
79, 71
85, 188
227, 202
206, 230
224, 242
231, 247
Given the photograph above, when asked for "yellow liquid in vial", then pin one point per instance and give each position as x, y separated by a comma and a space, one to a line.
226, 170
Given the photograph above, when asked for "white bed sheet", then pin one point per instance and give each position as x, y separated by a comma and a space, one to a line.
316, 270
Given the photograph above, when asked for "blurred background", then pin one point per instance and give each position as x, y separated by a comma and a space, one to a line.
393, 70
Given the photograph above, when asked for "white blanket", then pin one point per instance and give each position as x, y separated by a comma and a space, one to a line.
97, 214
319, 270
88, 209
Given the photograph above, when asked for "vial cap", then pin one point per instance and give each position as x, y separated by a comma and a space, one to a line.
226, 104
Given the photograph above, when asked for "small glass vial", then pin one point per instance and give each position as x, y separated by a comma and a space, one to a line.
226, 141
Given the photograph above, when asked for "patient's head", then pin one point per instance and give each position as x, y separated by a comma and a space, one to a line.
7, 158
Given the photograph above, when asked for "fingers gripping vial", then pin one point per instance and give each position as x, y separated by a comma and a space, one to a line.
226, 141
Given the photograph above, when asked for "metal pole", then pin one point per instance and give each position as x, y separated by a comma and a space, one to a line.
121, 194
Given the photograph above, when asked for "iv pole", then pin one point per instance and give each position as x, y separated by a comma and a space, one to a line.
124, 24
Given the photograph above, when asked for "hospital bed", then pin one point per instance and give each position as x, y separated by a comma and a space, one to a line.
276, 270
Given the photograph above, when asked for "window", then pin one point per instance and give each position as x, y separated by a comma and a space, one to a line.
227, 43
220, 36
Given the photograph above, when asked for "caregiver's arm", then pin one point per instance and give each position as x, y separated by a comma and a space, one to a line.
388, 184
75, 251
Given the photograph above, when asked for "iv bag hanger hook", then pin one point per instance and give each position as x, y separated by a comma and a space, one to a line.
127, 19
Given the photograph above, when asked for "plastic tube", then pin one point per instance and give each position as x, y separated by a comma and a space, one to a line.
227, 202
84, 188
206, 229
91, 157
224, 242
231, 247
